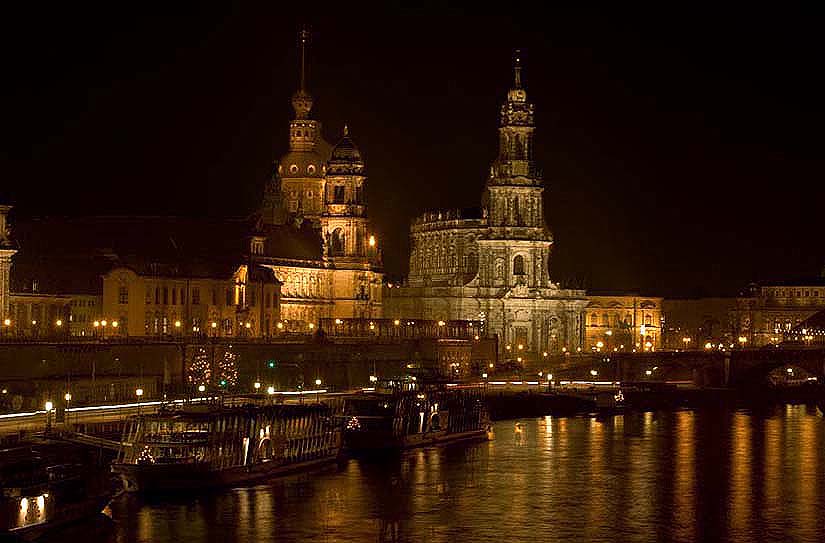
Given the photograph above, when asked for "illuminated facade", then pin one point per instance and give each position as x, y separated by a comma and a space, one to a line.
167, 301
623, 323
771, 310
493, 264
6, 252
319, 187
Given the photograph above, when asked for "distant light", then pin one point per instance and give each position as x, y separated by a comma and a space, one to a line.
708, 345
396, 322
594, 373
214, 324
373, 378
248, 325
96, 324
103, 322
201, 388
311, 326
441, 323
115, 324
789, 370
34, 323
280, 325
339, 321
59, 322
544, 353
7, 322
139, 392
257, 385
372, 241
49, 406
648, 372
484, 375
318, 382
270, 390
475, 337
177, 324
599, 344
68, 396
520, 347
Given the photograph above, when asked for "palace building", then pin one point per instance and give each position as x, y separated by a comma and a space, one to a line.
492, 264
319, 187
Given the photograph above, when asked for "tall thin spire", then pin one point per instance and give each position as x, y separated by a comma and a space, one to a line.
303, 39
517, 68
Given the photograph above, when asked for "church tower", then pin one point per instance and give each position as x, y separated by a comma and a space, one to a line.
348, 245
519, 241
297, 188
344, 222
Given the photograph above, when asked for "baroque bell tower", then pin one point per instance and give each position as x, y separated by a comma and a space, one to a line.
513, 198
297, 187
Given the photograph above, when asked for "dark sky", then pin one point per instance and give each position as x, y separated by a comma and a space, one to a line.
682, 151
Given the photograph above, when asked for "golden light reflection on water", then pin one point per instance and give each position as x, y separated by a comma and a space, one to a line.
684, 477
630, 477
741, 495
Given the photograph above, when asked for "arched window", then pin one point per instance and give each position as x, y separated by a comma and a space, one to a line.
518, 265
337, 242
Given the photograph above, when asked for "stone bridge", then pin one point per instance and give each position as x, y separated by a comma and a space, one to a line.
736, 368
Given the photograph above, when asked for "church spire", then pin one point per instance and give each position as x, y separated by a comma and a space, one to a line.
301, 100
303, 39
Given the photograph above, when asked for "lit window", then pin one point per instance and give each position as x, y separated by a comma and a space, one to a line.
338, 196
123, 295
293, 168
196, 296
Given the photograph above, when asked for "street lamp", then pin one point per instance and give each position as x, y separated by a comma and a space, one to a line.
49, 406
742, 341
317, 382
201, 388
257, 385
139, 394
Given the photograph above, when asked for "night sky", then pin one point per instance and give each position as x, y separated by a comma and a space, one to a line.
682, 151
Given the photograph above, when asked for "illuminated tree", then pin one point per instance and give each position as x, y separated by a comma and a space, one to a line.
228, 368
200, 370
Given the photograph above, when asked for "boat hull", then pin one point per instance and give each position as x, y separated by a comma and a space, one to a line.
178, 477
363, 443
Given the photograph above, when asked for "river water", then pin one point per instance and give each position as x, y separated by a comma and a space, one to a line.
704, 475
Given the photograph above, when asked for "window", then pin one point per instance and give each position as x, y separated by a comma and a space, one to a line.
518, 265
174, 296
228, 297
148, 295
182, 297
337, 242
268, 300
123, 295
157, 295
338, 195
293, 168
165, 296
359, 194
214, 297
252, 297
648, 320
196, 296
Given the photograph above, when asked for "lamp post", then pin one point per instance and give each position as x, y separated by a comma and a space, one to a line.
49, 406
139, 394
68, 398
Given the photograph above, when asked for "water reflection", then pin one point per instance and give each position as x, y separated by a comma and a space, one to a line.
665, 476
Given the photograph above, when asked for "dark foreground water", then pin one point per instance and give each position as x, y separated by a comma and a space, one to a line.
656, 476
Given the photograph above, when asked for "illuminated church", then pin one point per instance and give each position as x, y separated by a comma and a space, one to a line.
492, 263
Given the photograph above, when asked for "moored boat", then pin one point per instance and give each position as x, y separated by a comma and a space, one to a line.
201, 446
406, 414
48, 484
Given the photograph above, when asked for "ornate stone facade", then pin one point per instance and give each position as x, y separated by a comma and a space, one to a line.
772, 310
492, 264
624, 323
320, 187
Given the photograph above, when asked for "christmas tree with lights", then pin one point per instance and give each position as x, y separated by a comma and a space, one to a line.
200, 370
228, 368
